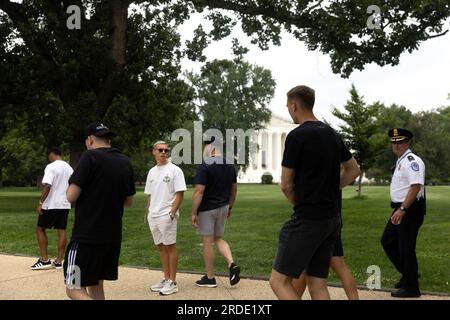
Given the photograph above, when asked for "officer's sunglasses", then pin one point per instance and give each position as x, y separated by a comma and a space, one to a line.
161, 150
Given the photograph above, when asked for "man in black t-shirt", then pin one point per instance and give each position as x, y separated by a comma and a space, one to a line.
310, 180
213, 198
101, 185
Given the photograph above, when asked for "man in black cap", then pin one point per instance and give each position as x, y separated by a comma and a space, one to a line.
101, 185
408, 204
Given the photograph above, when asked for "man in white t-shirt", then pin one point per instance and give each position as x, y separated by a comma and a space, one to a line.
165, 188
53, 209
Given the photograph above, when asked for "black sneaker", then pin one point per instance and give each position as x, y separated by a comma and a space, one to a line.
402, 283
235, 270
405, 293
57, 264
205, 282
42, 265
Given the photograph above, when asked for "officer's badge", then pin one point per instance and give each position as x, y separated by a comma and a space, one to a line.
166, 179
395, 132
411, 158
415, 166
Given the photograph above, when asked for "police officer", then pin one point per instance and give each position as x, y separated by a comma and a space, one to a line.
408, 204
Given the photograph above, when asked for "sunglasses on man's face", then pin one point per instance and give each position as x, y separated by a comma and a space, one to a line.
163, 150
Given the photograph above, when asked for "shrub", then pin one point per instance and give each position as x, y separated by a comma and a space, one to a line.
267, 178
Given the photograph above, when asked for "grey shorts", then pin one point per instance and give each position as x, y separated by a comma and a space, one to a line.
212, 222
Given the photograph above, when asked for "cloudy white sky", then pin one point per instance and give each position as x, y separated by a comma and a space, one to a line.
420, 82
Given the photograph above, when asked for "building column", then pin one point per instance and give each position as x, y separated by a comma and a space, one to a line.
260, 146
275, 155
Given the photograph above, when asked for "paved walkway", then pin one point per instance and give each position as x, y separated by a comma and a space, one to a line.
17, 281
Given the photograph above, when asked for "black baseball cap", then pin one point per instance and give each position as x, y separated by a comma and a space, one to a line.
98, 129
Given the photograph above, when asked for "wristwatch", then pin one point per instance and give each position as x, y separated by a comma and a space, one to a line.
40, 202
402, 208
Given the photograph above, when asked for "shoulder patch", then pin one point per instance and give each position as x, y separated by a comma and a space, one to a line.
415, 166
411, 158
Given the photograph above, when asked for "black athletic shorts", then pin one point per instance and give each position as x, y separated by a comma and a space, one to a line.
306, 245
53, 218
338, 250
86, 264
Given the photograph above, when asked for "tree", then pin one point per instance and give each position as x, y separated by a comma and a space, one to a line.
359, 131
122, 65
58, 80
388, 117
233, 95
431, 131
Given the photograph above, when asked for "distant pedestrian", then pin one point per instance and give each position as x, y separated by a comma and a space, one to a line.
53, 209
212, 203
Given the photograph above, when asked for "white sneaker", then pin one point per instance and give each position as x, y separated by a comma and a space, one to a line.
169, 288
157, 287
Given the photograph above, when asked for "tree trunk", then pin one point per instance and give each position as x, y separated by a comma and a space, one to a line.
359, 183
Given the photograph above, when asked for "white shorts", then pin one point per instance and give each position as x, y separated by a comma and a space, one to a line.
164, 229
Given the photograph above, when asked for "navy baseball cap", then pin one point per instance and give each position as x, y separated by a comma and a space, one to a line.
98, 129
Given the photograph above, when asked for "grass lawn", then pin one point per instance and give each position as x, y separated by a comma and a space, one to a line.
252, 233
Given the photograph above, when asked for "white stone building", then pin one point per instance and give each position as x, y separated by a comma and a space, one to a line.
270, 151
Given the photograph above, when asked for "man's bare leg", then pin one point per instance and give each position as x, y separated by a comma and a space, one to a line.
62, 242
318, 288
208, 255
164, 257
282, 286
43, 242
78, 294
97, 292
300, 284
173, 261
348, 282
224, 249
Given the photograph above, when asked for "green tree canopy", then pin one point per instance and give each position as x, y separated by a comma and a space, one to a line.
233, 95
431, 139
359, 131
123, 65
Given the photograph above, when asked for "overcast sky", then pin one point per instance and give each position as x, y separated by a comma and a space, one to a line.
420, 82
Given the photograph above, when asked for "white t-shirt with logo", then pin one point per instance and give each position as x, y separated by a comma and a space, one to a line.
162, 184
57, 175
409, 170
